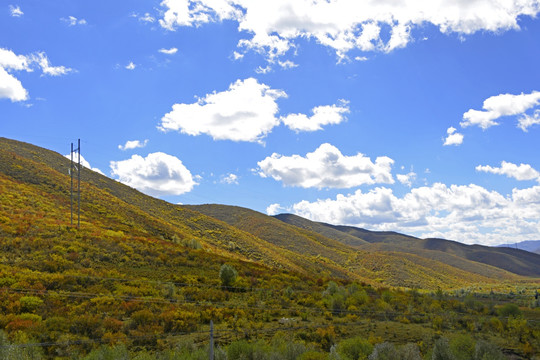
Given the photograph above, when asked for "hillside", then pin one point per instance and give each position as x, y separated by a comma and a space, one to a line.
392, 267
146, 274
477, 259
240, 233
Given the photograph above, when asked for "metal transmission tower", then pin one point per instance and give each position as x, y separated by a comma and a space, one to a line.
78, 167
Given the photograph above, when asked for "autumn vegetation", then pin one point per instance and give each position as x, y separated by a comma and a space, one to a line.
142, 279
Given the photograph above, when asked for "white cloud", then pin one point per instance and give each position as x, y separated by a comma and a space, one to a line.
274, 209
157, 174
11, 61
361, 58
230, 179
194, 13
133, 144
526, 121
519, 172
170, 51
326, 167
41, 59
263, 70
406, 179
453, 138
130, 66
322, 115
147, 18
237, 55
287, 64
467, 213
501, 105
72, 21
84, 163
10, 87
244, 112
15, 11
273, 26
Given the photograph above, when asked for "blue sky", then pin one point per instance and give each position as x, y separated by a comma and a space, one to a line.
417, 117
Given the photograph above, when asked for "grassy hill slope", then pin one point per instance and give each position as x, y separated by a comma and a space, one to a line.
361, 262
230, 232
477, 259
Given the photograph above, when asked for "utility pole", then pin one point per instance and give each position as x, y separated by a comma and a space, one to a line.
78, 150
211, 352
71, 188
79, 184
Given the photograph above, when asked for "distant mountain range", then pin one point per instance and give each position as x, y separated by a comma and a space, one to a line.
285, 243
529, 245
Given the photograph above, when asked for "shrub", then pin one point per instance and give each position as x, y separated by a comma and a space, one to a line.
228, 275
356, 348
384, 351
106, 352
462, 347
487, 351
409, 352
509, 310
30, 303
441, 350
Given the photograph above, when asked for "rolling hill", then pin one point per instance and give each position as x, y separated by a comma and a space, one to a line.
295, 245
471, 258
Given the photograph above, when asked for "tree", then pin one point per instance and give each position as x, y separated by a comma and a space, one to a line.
228, 275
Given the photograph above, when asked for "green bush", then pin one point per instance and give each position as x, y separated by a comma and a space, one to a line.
509, 310
106, 352
356, 348
30, 303
462, 347
228, 275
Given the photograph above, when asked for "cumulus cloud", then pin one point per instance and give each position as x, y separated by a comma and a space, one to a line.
322, 115
10, 87
519, 172
246, 111
407, 179
157, 174
194, 13
130, 66
526, 121
458, 212
73, 21
133, 144
273, 26
453, 138
274, 209
84, 163
15, 11
501, 105
170, 51
326, 167
229, 179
